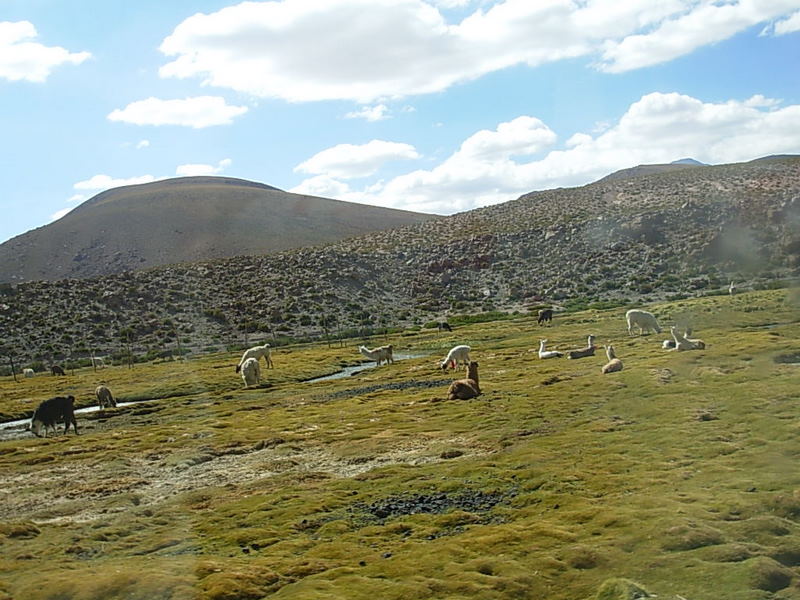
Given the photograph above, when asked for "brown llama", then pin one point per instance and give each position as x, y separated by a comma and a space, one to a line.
464, 389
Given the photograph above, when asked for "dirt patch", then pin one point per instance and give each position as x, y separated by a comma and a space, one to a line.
155, 478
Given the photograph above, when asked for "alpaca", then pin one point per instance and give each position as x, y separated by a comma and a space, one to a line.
50, 412
614, 364
379, 354
683, 343
251, 372
545, 314
464, 389
543, 353
57, 370
641, 319
583, 352
456, 355
256, 352
104, 397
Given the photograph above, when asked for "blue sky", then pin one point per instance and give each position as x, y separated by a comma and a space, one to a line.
430, 105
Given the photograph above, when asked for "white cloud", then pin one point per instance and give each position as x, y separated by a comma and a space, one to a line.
324, 186
488, 168
23, 59
379, 112
104, 182
704, 23
759, 101
788, 25
190, 170
60, 213
368, 51
348, 161
76, 198
142, 144
197, 112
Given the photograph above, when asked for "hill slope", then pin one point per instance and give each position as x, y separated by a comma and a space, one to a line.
623, 241
187, 219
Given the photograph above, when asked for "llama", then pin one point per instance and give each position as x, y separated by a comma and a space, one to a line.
683, 343
379, 354
614, 364
251, 372
583, 352
57, 370
464, 389
256, 352
98, 362
641, 319
457, 354
104, 397
444, 326
28, 372
544, 353
545, 314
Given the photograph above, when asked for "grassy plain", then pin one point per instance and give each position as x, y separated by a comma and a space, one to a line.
678, 473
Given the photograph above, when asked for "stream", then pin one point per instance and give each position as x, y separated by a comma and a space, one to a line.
7, 426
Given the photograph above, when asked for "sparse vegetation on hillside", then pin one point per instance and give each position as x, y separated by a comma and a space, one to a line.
674, 476
613, 243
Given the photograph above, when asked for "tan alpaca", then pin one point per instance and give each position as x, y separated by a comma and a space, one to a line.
464, 389
684, 343
614, 364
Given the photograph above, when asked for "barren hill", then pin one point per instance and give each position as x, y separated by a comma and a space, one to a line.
187, 219
620, 241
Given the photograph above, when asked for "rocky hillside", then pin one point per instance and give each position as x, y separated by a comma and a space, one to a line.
186, 219
621, 240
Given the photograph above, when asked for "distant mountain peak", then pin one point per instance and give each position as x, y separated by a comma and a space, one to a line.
688, 161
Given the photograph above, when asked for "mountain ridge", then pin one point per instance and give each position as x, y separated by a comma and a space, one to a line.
614, 242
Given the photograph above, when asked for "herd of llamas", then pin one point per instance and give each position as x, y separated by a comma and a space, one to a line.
61, 409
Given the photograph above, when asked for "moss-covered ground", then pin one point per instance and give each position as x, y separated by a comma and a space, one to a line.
677, 475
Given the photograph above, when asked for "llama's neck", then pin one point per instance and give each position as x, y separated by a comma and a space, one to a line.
472, 373
610, 353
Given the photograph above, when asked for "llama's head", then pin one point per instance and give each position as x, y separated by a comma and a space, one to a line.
472, 370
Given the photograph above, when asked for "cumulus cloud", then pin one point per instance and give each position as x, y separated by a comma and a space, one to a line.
368, 51
379, 112
60, 213
197, 112
348, 161
788, 25
142, 144
21, 58
703, 24
522, 155
190, 170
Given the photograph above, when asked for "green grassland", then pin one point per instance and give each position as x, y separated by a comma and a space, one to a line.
677, 475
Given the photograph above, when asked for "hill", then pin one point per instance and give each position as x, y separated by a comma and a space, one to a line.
187, 219
615, 242
640, 170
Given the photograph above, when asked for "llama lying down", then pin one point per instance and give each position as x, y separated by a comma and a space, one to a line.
464, 389
379, 354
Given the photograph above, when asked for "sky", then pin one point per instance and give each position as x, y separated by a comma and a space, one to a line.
436, 106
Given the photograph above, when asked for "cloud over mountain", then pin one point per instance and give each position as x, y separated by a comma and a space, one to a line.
363, 50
